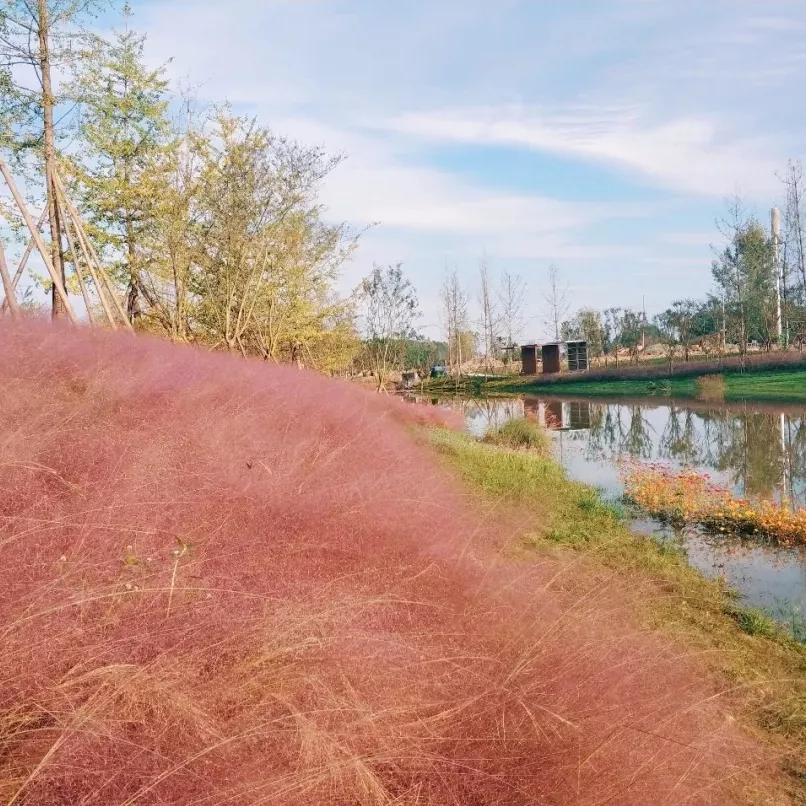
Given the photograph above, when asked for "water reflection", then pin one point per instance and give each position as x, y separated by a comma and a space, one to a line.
758, 451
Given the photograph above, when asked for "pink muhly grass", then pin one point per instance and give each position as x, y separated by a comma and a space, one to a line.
232, 583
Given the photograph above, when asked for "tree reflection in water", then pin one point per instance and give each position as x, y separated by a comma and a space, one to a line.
759, 452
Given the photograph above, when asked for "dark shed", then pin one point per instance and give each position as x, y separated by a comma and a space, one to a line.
551, 358
529, 359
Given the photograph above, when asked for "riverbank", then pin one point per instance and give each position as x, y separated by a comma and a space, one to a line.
754, 658
786, 384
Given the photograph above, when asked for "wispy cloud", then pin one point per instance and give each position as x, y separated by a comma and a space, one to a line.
686, 154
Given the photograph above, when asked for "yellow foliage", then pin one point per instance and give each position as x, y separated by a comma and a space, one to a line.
689, 497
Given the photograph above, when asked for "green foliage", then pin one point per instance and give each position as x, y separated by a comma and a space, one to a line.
124, 132
211, 223
753, 621
676, 326
745, 274
70, 44
421, 354
238, 256
587, 324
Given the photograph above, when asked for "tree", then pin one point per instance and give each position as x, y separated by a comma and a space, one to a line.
454, 311
390, 308
587, 325
667, 325
489, 317
511, 299
678, 322
794, 244
36, 38
745, 274
631, 329
124, 130
175, 218
238, 256
556, 299
612, 332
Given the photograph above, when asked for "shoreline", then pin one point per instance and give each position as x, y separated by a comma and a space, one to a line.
744, 647
763, 385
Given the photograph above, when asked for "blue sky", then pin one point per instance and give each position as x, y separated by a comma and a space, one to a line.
603, 137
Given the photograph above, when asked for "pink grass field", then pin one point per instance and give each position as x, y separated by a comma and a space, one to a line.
225, 582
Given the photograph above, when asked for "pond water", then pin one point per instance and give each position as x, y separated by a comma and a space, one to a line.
756, 450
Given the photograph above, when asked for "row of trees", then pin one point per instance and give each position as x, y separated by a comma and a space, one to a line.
211, 226
759, 295
208, 222
391, 311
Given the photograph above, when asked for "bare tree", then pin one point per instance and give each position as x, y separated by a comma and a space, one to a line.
489, 316
390, 311
556, 299
511, 298
454, 311
794, 248
612, 335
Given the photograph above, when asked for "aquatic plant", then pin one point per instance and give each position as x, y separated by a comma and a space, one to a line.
688, 497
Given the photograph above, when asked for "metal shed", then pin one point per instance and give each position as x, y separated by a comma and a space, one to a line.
551, 358
577, 355
529, 359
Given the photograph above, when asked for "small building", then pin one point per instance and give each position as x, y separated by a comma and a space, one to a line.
529, 359
577, 355
551, 358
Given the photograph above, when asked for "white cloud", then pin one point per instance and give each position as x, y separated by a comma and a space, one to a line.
686, 154
379, 183
383, 83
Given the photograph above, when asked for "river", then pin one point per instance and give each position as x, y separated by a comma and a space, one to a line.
757, 450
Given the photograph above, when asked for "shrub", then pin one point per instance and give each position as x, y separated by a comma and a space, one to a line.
690, 497
754, 622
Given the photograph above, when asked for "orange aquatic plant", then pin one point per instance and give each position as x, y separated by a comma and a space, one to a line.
688, 497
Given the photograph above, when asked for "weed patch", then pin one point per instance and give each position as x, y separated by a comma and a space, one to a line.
690, 497
519, 433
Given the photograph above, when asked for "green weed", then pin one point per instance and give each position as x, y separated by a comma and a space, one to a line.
519, 433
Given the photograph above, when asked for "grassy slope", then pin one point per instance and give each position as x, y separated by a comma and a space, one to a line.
784, 385
743, 647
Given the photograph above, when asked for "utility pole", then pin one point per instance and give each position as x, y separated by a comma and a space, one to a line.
775, 231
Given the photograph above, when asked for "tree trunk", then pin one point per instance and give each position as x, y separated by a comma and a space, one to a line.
133, 294
54, 214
